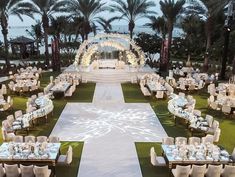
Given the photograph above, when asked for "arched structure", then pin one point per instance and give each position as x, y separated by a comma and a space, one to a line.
118, 41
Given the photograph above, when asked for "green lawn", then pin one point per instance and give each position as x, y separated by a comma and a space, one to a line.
83, 93
132, 94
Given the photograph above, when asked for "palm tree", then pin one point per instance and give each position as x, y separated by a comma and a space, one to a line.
159, 25
8, 8
88, 9
171, 11
209, 10
132, 10
192, 26
106, 24
45, 9
36, 33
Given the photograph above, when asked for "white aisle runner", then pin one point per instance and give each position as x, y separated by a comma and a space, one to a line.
109, 127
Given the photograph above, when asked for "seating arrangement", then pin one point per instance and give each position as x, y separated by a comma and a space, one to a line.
153, 84
222, 98
156, 160
36, 108
184, 107
5, 105
66, 159
24, 171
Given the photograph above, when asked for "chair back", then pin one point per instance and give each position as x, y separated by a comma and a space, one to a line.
168, 141
153, 156
180, 140
18, 139
198, 171
28, 139
182, 171
194, 140
26, 171
213, 170
69, 155
12, 170
54, 139
41, 171
229, 171
41, 139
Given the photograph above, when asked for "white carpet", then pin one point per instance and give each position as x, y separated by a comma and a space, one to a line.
109, 128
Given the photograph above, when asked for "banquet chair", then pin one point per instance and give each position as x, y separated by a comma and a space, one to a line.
197, 113
4, 89
180, 140
25, 89
194, 140
233, 155
30, 109
207, 139
27, 171
217, 135
2, 171
181, 94
228, 171
198, 171
160, 94
33, 88
69, 93
10, 119
33, 98
181, 171
156, 160
209, 120
53, 139
191, 87
38, 84
40, 94
7, 136
41, 171
28, 139
214, 106
214, 127
5, 107
226, 109
66, 159
12, 170
213, 170
41, 139
18, 114
18, 139
201, 84
51, 79
182, 87
168, 141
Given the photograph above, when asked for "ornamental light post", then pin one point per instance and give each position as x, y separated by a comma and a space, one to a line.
227, 27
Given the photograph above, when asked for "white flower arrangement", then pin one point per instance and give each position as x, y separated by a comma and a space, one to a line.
84, 55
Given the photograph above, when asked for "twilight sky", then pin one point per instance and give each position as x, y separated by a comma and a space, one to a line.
15, 21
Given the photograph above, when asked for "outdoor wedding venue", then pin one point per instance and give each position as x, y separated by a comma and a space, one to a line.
117, 88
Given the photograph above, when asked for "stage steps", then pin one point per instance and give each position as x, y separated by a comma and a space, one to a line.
109, 76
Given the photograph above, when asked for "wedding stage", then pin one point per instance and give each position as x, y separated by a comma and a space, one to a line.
110, 75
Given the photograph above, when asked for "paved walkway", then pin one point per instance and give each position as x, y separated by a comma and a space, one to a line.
109, 127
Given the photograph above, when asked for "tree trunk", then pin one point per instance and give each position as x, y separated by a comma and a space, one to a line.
225, 55
208, 43
164, 65
4, 25
45, 24
131, 29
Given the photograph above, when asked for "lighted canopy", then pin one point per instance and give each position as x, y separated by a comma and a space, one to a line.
135, 56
